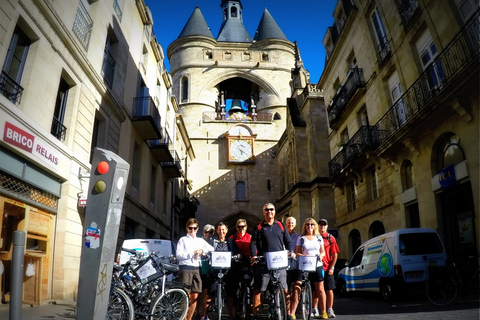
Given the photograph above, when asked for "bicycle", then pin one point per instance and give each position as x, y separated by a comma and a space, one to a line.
120, 306
306, 265
245, 292
274, 297
444, 283
221, 261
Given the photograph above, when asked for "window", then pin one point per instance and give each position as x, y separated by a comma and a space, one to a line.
136, 166
419, 243
344, 137
184, 89
117, 7
165, 194
234, 12
240, 191
412, 216
395, 94
449, 152
428, 52
357, 258
351, 197
108, 67
362, 117
408, 176
380, 34
373, 185
13, 66
82, 26
466, 8
130, 228
376, 228
58, 129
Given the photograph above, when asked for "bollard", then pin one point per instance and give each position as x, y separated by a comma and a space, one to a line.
16, 282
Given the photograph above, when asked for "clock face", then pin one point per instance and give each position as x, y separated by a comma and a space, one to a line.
241, 150
239, 131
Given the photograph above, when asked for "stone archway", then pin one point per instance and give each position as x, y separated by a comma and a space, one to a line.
231, 221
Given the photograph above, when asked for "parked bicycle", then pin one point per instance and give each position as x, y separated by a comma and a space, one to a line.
245, 293
221, 262
143, 280
444, 284
306, 265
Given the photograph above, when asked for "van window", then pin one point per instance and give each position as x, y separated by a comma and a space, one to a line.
419, 243
357, 258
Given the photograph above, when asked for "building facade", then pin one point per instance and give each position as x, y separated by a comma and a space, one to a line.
401, 86
232, 93
78, 75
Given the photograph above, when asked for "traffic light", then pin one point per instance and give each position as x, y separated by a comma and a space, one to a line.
103, 212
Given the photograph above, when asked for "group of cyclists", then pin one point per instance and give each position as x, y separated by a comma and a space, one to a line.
270, 235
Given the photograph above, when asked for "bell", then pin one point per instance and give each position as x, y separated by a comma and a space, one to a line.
236, 105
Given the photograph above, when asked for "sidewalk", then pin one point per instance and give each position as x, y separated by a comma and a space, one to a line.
49, 310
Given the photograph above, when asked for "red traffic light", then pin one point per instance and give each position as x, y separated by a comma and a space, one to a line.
103, 167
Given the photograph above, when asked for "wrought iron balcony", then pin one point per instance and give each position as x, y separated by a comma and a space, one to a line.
445, 70
58, 130
344, 94
146, 118
82, 26
10, 88
407, 10
172, 169
363, 140
108, 67
162, 148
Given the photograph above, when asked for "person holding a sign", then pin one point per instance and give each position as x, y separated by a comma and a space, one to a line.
208, 231
310, 252
190, 249
270, 235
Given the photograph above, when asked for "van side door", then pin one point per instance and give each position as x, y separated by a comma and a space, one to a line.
354, 271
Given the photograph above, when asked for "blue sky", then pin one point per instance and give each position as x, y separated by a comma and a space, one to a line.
304, 21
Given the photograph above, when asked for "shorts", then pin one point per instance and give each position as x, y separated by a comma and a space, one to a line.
206, 281
191, 277
262, 277
316, 276
329, 281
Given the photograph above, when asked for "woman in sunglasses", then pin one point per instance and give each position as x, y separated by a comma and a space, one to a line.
190, 249
310, 244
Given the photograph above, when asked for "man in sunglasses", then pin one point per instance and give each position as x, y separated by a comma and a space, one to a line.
269, 236
190, 249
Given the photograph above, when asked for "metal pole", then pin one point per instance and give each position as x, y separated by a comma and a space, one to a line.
16, 282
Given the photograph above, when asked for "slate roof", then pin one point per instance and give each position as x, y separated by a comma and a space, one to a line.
196, 26
233, 30
268, 28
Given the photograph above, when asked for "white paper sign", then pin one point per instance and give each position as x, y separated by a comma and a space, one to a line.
276, 259
221, 259
307, 263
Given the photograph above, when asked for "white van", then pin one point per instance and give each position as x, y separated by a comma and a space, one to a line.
161, 247
393, 261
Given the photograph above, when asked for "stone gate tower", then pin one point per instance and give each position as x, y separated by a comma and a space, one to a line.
232, 91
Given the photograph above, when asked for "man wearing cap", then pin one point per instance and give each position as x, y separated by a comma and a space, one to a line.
329, 260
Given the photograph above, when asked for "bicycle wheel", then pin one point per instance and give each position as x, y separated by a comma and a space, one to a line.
171, 305
280, 312
245, 303
120, 306
441, 291
218, 295
306, 300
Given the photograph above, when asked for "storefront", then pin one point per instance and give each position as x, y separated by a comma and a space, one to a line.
29, 197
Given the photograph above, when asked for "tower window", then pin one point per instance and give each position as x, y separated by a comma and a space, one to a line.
234, 12
184, 89
241, 193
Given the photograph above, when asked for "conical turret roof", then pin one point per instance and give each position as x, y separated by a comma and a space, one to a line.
232, 28
196, 26
268, 28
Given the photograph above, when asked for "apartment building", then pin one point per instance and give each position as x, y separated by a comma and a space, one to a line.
401, 87
76, 75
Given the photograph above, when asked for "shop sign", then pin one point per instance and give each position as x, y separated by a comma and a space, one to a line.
446, 176
15, 203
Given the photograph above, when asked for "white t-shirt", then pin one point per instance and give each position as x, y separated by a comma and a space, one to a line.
310, 247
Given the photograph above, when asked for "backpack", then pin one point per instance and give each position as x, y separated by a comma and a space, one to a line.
328, 238
278, 222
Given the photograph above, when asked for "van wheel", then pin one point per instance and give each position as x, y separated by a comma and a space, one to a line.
342, 288
387, 291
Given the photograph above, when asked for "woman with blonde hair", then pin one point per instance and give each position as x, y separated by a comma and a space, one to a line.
310, 244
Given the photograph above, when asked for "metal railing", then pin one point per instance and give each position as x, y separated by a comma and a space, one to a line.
145, 107
208, 116
108, 67
458, 54
407, 10
364, 139
58, 130
344, 94
82, 26
10, 88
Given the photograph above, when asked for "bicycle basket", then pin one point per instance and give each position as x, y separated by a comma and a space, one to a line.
147, 271
307, 263
276, 259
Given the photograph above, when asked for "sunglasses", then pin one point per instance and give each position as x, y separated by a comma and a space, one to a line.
240, 227
323, 224
211, 232
310, 224
192, 228
269, 209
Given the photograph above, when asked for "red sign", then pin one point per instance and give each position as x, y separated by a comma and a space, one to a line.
18, 137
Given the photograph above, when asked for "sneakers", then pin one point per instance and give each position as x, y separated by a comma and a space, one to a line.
324, 315
291, 317
315, 314
330, 313
205, 318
